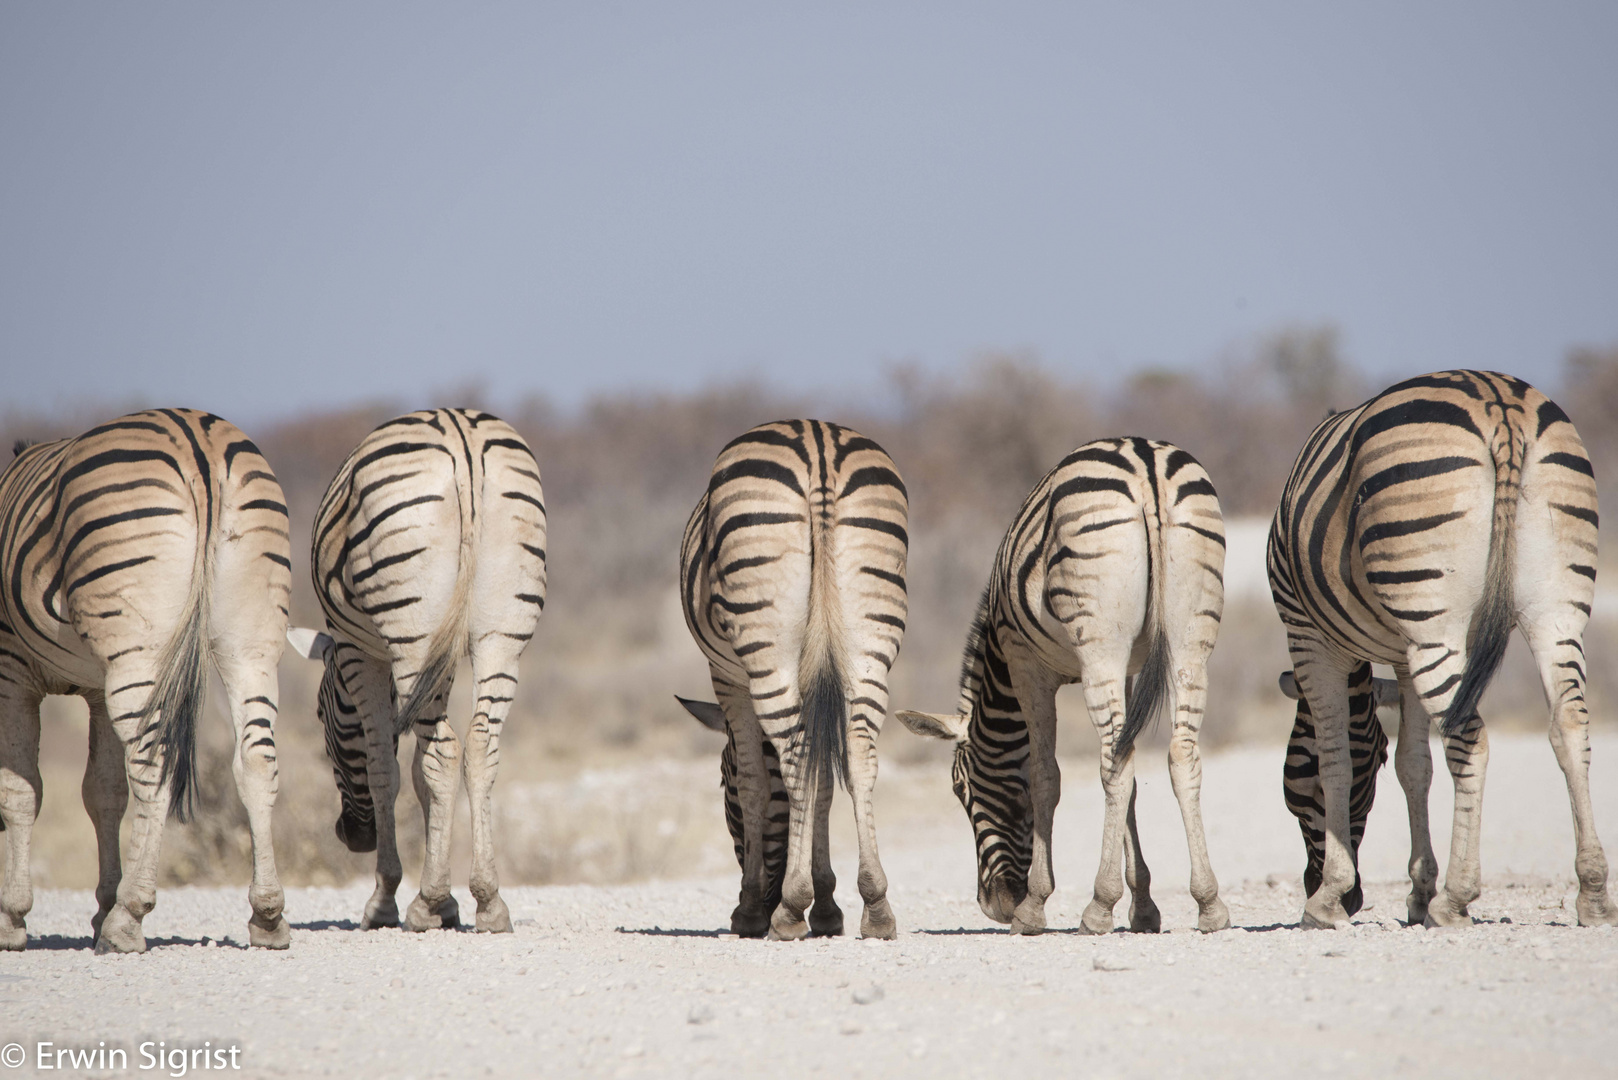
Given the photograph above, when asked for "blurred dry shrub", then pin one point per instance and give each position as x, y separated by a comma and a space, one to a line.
621, 475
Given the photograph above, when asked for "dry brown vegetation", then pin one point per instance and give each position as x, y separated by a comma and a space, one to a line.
621, 475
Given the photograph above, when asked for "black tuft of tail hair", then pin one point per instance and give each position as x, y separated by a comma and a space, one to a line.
431, 684
1491, 631
20, 445
825, 723
1149, 690
178, 698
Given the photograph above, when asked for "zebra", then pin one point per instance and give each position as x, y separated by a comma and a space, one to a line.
130, 557
1114, 565
792, 580
1415, 531
1368, 751
428, 544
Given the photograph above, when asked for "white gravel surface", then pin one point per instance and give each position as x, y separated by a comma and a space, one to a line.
639, 980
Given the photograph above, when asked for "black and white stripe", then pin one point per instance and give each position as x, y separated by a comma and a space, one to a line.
130, 558
1114, 567
1415, 531
792, 581
428, 545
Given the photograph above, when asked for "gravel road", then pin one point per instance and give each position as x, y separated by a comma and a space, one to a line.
638, 980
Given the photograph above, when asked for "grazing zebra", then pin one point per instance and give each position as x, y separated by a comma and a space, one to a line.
429, 543
1114, 565
792, 580
1415, 530
130, 557
1368, 750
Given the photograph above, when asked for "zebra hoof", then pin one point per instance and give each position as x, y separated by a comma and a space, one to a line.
749, 922
13, 938
263, 935
120, 933
1443, 914
494, 918
826, 922
1144, 918
1096, 919
1596, 910
1325, 920
380, 913
421, 917
1028, 918
783, 927
1214, 917
877, 922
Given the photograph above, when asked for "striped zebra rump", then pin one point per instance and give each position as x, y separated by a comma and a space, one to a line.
1416, 530
429, 542
108, 534
1111, 574
133, 558
792, 584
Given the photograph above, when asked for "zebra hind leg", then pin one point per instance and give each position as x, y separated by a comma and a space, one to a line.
1561, 668
436, 773
494, 679
249, 678
106, 797
1413, 764
19, 801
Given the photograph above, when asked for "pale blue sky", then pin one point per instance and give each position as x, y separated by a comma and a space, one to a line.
261, 208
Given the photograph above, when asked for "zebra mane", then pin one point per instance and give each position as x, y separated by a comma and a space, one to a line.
972, 654
20, 445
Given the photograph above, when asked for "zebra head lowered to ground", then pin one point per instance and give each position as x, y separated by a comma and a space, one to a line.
1112, 569
1416, 530
792, 582
428, 546
133, 557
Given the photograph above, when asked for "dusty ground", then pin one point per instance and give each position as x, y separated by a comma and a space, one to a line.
638, 979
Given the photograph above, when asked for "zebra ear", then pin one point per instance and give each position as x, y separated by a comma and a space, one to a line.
1386, 691
708, 713
950, 726
1289, 685
310, 644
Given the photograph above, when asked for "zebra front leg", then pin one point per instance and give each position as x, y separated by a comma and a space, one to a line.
1044, 792
1325, 686
751, 775
106, 797
1413, 764
825, 918
253, 692
20, 793
1144, 918
1467, 752
436, 772
1185, 774
495, 680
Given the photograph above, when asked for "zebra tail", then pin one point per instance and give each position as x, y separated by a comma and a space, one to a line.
1151, 685
181, 687
820, 670
449, 641
1491, 625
